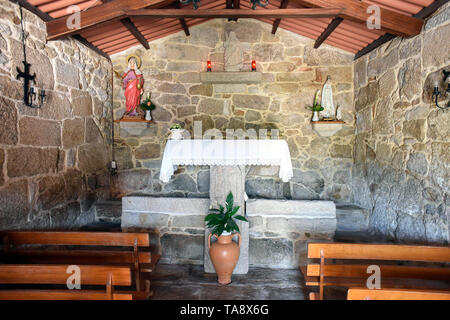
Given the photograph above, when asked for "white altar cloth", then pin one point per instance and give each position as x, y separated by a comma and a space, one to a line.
226, 153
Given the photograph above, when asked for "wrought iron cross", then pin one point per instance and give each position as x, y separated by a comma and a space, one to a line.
28, 91
27, 77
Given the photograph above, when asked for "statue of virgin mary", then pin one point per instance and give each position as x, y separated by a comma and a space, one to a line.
329, 110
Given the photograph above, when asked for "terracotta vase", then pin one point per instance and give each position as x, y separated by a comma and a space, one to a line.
224, 255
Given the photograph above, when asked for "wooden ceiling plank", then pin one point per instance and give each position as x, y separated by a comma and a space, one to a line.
390, 21
333, 25
276, 23
135, 32
231, 13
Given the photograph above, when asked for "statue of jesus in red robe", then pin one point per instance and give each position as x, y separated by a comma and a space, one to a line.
133, 83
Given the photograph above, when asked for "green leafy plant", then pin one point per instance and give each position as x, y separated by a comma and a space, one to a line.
316, 106
175, 126
147, 105
222, 219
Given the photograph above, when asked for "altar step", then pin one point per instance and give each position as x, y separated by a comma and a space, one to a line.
109, 211
351, 219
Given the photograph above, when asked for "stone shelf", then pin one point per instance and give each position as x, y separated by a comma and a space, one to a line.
134, 120
231, 77
327, 128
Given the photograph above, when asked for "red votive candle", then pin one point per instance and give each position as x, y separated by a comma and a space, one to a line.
253, 65
208, 66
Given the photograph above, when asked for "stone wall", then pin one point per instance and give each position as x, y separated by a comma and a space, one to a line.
292, 72
53, 160
279, 229
402, 148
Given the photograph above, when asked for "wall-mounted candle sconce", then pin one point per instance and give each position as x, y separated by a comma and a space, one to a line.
30, 96
436, 93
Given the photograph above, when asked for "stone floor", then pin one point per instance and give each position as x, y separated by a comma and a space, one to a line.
179, 282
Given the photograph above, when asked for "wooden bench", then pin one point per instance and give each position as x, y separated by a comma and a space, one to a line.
105, 276
352, 272
86, 248
396, 294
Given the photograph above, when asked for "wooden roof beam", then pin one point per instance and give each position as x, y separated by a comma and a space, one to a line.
232, 13
354, 10
276, 23
135, 32
111, 10
333, 25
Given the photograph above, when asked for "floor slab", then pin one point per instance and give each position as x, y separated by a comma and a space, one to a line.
176, 282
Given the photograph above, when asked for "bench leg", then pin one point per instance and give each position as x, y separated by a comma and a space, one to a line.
322, 262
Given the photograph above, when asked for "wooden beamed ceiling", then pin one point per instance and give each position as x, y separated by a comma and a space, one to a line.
111, 26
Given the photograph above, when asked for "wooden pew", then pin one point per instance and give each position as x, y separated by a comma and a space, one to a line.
396, 294
105, 276
87, 248
358, 257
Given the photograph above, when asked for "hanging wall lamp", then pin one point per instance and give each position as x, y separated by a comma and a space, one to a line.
30, 96
436, 93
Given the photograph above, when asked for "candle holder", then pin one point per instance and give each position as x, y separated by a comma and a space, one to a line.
208, 66
437, 93
253, 65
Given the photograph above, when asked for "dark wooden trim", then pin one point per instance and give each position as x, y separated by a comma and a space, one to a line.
232, 13
229, 5
91, 46
135, 32
44, 16
375, 44
422, 14
333, 25
182, 21
276, 23
236, 6
185, 27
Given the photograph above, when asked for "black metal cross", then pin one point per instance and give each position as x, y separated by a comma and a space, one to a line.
27, 77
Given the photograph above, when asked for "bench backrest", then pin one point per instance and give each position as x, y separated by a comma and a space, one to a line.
120, 239
57, 274
387, 271
396, 294
355, 251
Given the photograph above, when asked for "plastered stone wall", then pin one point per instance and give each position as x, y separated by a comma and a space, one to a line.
402, 146
292, 72
53, 160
